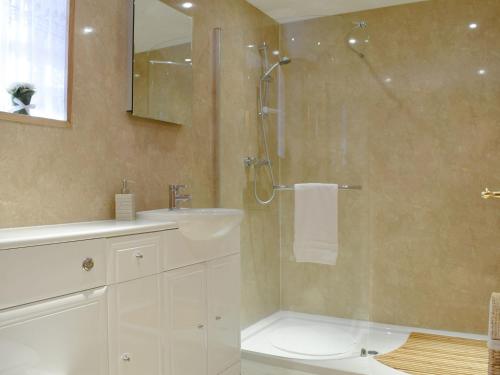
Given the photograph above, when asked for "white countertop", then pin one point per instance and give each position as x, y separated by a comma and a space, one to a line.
12, 238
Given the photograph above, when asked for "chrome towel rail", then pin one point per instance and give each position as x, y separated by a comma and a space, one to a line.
341, 187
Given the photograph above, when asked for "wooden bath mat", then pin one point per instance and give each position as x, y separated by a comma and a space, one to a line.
425, 354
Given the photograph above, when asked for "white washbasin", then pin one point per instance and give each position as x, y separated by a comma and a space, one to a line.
199, 224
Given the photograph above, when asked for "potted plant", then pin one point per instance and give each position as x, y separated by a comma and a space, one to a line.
22, 93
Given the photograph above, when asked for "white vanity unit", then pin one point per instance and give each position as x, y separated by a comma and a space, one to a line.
120, 299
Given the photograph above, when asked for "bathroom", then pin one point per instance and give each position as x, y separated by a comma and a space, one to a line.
391, 104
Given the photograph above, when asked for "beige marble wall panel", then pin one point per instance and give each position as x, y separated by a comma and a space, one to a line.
416, 125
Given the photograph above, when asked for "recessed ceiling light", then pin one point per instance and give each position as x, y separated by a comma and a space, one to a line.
388, 80
352, 41
188, 60
88, 30
319, 43
276, 52
481, 72
251, 46
473, 26
187, 5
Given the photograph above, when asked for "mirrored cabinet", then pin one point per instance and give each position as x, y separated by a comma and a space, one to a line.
162, 73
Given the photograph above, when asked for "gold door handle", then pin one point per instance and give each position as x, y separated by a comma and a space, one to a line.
487, 194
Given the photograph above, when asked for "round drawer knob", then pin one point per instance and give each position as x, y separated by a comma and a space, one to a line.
88, 264
126, 357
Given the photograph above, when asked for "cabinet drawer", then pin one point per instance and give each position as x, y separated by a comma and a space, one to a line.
132, 257
35, 273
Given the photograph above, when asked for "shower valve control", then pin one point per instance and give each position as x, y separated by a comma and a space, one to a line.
249, 161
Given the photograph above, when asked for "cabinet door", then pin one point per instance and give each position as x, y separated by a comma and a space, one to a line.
223, 280
65, 335
135, 327
185, 321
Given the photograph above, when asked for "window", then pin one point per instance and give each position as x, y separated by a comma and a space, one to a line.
34, 54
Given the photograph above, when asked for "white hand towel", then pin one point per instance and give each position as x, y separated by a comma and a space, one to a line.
316, 228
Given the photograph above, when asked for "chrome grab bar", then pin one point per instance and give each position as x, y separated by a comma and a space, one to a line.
487, 194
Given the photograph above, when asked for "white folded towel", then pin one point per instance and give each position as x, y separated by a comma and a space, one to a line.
316, 228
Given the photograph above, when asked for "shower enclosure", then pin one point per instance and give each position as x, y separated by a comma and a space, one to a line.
258, 133
402, 106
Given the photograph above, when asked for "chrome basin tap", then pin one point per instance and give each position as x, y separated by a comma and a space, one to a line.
174, 196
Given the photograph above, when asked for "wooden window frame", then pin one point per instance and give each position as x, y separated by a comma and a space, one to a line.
33, 120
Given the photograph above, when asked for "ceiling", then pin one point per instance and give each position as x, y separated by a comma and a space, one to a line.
293, 10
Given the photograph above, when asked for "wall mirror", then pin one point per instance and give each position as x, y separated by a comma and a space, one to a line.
162, 79
35, 63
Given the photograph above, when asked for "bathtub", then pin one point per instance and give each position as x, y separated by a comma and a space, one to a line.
295, 343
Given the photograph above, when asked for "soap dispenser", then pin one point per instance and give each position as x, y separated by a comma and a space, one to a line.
125, 203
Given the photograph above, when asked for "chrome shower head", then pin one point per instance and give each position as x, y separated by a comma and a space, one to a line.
283, 61
358, 38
